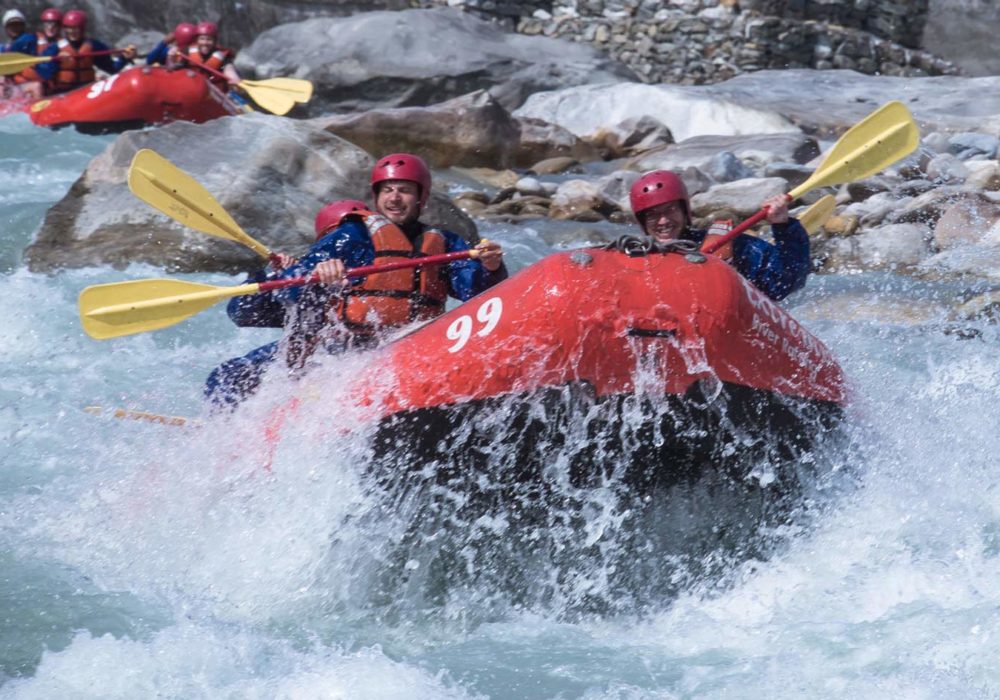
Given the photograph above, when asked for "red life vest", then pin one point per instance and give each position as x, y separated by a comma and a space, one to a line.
398, 297
74, 70
217, 60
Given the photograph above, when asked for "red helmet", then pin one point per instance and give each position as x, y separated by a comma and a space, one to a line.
52, 15
658, 187
209, 28
403, 166
332, 214
184, 34
75, 18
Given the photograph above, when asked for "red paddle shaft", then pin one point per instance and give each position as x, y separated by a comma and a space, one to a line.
371, 269
717, 243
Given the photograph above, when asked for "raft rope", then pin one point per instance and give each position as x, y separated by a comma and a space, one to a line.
637, 247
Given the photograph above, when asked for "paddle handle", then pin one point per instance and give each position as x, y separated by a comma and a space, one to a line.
370, 270
717, 243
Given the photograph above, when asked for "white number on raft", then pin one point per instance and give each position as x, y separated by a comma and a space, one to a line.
489, 313
101, 86
460, 329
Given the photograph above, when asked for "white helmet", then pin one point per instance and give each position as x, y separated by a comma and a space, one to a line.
13, 16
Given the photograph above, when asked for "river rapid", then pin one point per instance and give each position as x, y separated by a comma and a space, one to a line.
144, 560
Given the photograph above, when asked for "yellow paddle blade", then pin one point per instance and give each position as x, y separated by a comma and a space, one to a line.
876, 142
815, 216
161, 184
12, 63
298, 90
125, 308
274, 101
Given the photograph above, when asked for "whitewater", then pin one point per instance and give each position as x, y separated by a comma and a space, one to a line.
199, 561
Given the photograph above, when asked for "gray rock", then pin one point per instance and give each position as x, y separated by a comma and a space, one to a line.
742, 197
416, 57
793, 173
967, 144
272, 190
887, 246
700, 151
965, 221
946, 169
726, 167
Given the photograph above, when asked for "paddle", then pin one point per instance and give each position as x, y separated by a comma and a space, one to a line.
815, 216
276, 95
133, 414
165, 187
876, 142
12, 63
125, 308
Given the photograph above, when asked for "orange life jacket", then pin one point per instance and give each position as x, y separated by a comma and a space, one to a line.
395, 298
217, 60
717, 230
30, 75
74, 70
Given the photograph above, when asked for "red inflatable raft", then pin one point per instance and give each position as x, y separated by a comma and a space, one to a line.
644, 366
134, 98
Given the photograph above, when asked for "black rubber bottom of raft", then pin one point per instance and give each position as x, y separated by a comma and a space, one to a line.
562, 502
640, 443
101, 128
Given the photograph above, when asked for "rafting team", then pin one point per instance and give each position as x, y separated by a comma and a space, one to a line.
76, 56
339, 314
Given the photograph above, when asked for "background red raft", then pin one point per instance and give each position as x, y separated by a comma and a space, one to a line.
134, 98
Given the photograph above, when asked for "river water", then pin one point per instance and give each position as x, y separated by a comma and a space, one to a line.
143, 560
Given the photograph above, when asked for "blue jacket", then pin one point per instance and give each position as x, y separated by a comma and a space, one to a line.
158, 55
351, 243
778, 269
25, 43
108, 64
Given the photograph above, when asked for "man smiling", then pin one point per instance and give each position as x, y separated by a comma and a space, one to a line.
661, 205
336, 315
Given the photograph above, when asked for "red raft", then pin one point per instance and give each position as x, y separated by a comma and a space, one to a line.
134, 98
638, 368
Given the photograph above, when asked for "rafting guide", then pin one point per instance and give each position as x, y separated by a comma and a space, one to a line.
337, 317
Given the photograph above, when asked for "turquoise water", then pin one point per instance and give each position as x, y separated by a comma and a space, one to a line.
140, 560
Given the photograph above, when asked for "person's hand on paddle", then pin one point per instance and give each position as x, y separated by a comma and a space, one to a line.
281, 262
777, 209
330, 272
490, 254
130, 52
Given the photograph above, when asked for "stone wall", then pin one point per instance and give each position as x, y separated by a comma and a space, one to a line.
707, 41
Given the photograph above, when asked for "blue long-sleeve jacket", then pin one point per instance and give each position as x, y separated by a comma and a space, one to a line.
158, 55
778, 269
108, 64
26, 43
351, 243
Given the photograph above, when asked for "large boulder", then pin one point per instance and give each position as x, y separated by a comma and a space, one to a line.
273, 191
469, 131
419, 57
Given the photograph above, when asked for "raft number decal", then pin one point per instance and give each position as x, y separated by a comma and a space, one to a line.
460, 329
102, 86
